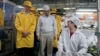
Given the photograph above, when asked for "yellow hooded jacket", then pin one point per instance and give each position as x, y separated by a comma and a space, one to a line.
58, 23
25, 22
35, 14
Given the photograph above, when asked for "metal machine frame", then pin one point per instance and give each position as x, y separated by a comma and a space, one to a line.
8, 44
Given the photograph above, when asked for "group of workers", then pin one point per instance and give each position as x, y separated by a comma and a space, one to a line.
48, 31
47, 27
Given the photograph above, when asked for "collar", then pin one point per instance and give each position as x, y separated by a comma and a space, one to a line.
46, 16
23, 12
77, 31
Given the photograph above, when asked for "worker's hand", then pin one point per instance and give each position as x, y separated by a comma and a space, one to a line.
25, 34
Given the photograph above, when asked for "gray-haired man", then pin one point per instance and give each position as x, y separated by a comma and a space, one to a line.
46, 31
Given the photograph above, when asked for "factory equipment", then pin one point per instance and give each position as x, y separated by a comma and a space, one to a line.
8, 40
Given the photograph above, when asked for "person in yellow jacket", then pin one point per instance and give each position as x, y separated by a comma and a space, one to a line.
1, 18
33, 10
53, 10
1, 23
58, 25
25, 25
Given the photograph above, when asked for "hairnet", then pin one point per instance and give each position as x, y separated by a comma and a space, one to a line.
75, 20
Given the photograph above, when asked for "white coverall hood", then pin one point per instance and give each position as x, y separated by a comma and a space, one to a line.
75, 20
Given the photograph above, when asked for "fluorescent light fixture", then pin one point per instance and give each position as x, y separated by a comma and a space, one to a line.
84, 13
66, 8
69, 8
87, 10
19, 6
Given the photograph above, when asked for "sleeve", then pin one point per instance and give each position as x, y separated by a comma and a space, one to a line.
83, 47
1, 18
38, 26
18, 24
55, 26
33, 25
60, 43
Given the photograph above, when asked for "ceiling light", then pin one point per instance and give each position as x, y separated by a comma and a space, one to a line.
69, 8
87, 10
84, 13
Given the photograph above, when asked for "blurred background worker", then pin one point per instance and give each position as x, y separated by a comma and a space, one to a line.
41, 13
46, 31
1, 25
71, 39
67, 16
91, 40
1, 18
33, 10
25, 24
58, 26
36, 41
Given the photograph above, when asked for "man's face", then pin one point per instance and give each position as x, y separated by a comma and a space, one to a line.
27, 8
46, 12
